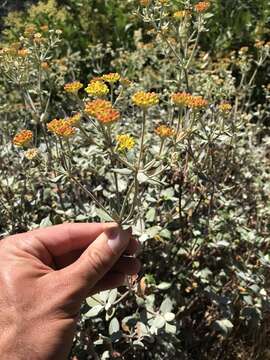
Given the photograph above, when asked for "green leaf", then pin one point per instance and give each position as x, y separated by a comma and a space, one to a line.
150, 215
141, 177
45, 222
153, 231
112, 296
103, 215
94, 311
170, 328
166, 234
122, 171
114, 326
164, 286
169, 316
158, 322
92, 301
104, 295
166, 306
225, 326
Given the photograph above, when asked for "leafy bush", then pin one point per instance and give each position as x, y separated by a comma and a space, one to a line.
174, 144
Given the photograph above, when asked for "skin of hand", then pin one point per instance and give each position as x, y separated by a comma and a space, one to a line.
46, 274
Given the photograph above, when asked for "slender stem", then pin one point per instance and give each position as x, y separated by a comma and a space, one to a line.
92, 196
142, 140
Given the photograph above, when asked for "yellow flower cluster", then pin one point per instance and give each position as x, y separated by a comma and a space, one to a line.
111, 77
23, 138
74, 119
225, 107
202, 6
102, 110
181, 14
186, 99
97, 88
164, 131
31, 154
73, 87
125, 142
61, 128
145, 99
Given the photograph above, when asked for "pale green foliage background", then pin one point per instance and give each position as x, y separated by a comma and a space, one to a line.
203, 292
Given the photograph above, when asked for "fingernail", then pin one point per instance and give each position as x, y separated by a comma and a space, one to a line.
117, 239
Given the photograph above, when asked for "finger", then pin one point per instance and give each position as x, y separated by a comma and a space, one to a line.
127, 266
109, 281
133, 247
97, 259
65, 238
69, 258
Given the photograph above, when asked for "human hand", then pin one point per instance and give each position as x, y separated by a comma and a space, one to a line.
46, 274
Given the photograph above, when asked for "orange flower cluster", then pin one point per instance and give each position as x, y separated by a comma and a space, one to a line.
164, 131
202, 6
186, 99
23, 52
61, 128
74, 119
102, 110
23, 138
144, 2
180, 98
196, 102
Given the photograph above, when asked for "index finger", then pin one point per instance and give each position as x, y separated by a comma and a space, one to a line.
64, 238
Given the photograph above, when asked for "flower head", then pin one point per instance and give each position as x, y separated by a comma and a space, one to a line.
145, 2
61, 128
181, 14
23, 138
111, 77
186, 99
145, 99
202, 6
44, 65
225, 107
125, 82
74, 119
102, 110
125, 142
23, 52
164, 131
94, 107
180, 98
73, 87
196, 102
108, 115
31, 154
97, 88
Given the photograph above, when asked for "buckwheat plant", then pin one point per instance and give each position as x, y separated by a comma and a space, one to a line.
162, 157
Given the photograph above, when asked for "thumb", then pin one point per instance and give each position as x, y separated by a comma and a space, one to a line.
98, 259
